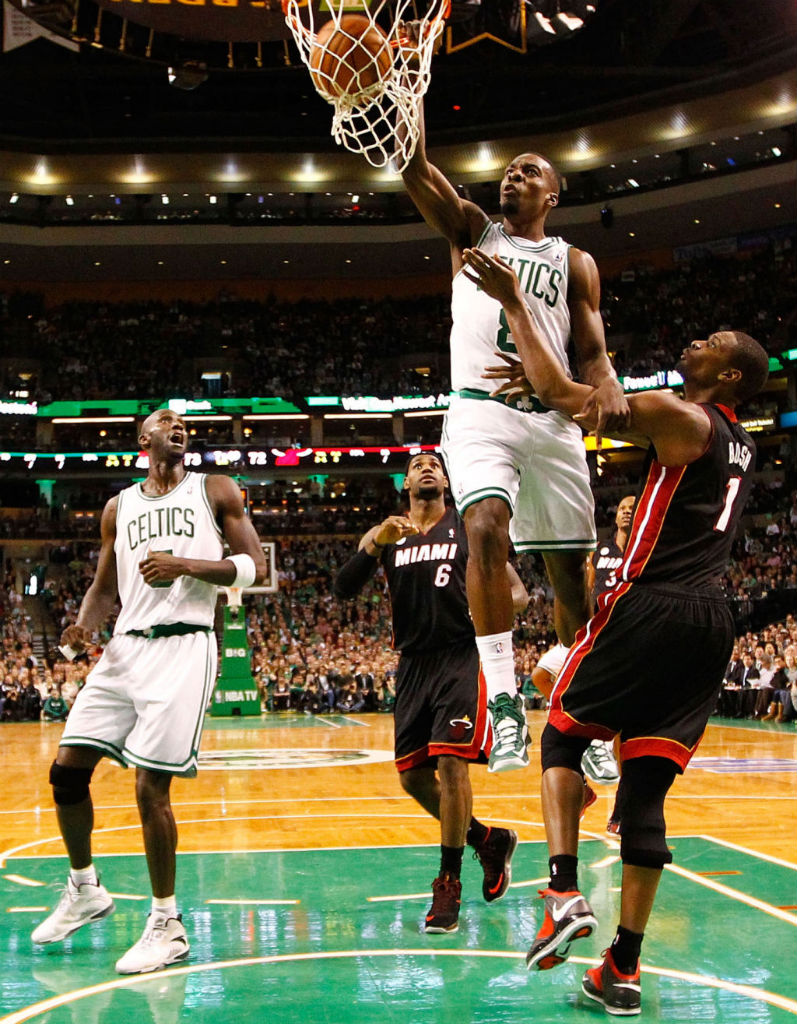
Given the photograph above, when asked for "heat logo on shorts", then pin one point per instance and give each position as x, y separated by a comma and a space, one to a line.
458, 727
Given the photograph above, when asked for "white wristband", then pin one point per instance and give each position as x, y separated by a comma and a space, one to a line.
245, 571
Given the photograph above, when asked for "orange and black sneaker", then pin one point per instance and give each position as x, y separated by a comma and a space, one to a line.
495, 857
567, 917
443, 914
620, 994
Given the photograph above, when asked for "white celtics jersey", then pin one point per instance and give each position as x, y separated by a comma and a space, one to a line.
479, 326
180, 522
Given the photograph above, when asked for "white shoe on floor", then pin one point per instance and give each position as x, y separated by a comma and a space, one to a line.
599, 763
164, 942
78, 905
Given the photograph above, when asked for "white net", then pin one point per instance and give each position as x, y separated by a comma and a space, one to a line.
376, 103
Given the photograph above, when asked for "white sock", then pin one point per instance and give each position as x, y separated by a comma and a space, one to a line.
498, 663
164, 908
82, 876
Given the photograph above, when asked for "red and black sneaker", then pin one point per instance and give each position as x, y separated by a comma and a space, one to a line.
443, 914
567, 917
495, 857
620, 994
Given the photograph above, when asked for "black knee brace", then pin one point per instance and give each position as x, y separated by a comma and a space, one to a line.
70, 785
643, 787
562, 751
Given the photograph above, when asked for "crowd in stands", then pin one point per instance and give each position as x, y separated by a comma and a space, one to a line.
312, 652
662, 310
361, 347
31, 688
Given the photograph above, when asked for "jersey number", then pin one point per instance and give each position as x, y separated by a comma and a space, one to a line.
504, 339
442, 575
731, 490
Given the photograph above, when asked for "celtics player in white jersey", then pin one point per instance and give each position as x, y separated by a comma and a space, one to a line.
518, 469
144, 702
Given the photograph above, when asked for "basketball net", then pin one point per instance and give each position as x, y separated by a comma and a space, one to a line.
382, 122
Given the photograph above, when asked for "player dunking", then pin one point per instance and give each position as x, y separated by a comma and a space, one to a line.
625, 672
441, 703
518, 471
144, 702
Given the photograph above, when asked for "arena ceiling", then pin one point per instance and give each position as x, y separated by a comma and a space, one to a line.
641, 82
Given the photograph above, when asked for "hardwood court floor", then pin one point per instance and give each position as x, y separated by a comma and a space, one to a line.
304, 876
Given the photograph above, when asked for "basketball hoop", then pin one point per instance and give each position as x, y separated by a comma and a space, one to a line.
381, 120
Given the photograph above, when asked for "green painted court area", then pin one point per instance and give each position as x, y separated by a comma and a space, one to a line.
344, 944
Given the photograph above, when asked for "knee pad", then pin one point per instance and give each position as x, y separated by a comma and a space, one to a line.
562, 751
70, 785
643, 787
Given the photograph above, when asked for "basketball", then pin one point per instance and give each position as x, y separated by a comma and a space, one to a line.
349, 56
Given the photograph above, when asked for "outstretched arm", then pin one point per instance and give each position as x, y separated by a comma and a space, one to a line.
595, 367
457, 220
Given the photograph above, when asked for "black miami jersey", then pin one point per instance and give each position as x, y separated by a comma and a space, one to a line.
686, 517
426, 578
606, 561
626, 672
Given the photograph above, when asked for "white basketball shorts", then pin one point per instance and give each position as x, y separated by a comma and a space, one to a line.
534, 461
144, 702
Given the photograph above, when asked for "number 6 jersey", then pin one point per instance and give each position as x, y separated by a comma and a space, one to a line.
426, 578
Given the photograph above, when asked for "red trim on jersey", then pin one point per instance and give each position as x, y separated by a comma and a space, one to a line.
729, 413
583, 644
658, 746
658, 492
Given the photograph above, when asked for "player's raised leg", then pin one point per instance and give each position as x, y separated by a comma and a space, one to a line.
491, 607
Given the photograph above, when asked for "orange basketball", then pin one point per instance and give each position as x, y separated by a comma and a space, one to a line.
349, 57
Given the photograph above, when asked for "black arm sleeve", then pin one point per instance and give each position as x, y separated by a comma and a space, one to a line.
354, 574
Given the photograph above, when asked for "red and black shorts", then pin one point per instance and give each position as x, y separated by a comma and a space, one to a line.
649, 666
441, 706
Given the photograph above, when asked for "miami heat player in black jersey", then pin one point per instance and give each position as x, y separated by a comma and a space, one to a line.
684, 525
441, 719
608, 556
426, 578
649, 664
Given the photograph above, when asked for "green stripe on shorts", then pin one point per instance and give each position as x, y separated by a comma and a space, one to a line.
473, 497
555, 545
